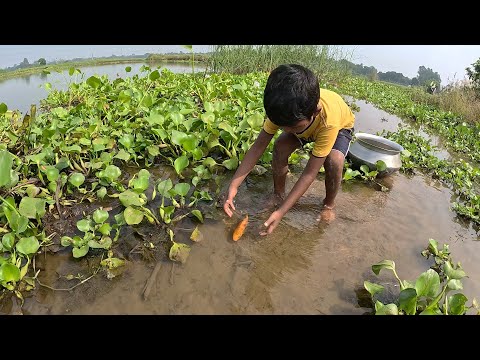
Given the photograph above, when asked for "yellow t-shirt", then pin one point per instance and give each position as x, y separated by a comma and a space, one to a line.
335, 115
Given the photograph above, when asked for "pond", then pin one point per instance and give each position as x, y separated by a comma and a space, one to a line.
20, 93
303, 267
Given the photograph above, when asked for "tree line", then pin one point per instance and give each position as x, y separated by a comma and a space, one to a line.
425, 76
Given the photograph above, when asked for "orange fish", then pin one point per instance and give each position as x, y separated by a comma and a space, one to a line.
240, 229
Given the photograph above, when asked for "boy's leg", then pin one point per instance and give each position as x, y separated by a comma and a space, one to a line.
333, 176
284, 145
334, 172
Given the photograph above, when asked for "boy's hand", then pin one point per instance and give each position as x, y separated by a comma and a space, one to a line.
228, 205
272, 223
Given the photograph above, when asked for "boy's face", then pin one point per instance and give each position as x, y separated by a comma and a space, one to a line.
299, 127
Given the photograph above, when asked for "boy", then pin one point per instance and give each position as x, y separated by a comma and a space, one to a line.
294, 103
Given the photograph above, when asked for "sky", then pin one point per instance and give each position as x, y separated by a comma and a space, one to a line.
449, 61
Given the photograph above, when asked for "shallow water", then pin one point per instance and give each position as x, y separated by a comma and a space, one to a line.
303, 267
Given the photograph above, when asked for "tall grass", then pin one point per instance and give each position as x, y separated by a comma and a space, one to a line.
323, 60
457, 97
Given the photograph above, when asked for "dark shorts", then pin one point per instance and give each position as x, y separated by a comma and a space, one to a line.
342, 143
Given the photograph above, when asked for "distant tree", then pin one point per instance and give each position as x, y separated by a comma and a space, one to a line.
414, 81
42, 61
24, 63
474, 75
394, 77
426, 76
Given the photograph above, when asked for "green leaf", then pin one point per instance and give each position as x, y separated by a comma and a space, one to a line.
28, 245
381, 166
127, 140
179, 252
209, 162
9, 272
190, 143
182, 189
128, 69
112, 172
385, 264
188, 47
231, 164
95, 83
71, 71
66, 241
3, 108
31, 207
100, 215
17, 223
154, 75
454, 284
6, 162
147, 101
372, 288
129, 198
153, 150
456, 304
178, 137
52, 173
208, 117
197, 153
255, 121
8, 240
428, 284
80, 252
84, 225
453, 273
101, 192
76, 179
120, 219
390, 309
408, 301
164, 187
365, 169
429, 311
122, 155
133, 216
104, 243
198, 215
180, 164
433, 246
105, 229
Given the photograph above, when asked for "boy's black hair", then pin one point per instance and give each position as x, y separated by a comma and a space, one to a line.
291, 94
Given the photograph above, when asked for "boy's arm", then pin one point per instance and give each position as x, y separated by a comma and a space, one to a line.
303, 183
250, 159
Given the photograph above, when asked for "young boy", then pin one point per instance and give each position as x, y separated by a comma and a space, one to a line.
294, 103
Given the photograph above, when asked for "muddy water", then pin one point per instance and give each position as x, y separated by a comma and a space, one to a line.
304, 267
372, 120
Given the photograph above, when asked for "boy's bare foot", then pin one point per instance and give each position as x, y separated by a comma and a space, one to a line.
327, 214
272, 203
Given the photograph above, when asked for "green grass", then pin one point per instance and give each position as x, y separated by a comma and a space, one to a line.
241, 59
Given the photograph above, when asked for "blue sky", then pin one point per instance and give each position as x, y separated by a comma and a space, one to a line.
449, 61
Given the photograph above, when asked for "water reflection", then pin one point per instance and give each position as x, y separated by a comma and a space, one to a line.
20, 93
